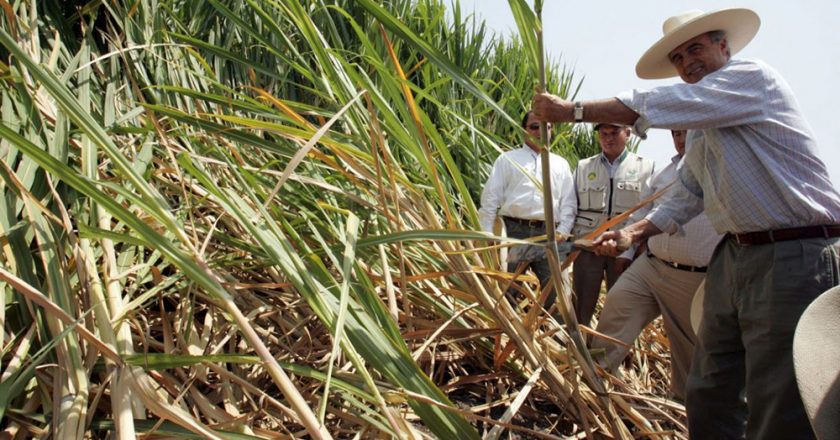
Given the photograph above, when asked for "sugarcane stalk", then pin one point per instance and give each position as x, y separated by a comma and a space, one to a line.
587, 365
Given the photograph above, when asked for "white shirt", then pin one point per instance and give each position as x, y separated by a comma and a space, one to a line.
514, 189
752, 161
695, 246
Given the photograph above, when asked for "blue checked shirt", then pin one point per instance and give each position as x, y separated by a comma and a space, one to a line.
752, 161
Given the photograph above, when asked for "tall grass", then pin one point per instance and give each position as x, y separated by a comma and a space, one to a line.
234, 219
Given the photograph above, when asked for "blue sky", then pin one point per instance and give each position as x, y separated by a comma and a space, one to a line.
602, 41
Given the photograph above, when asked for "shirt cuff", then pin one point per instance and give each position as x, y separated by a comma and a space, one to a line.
664, 222
630, 252
642, 124
564, 229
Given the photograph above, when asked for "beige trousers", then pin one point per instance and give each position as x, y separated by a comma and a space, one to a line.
647, 289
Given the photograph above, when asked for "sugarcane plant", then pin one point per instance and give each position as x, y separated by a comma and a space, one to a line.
257, 219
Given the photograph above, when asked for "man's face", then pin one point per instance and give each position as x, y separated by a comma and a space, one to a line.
613, 139
532, 127
679, 141
699, 57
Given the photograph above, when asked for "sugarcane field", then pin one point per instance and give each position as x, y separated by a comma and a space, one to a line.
417, 219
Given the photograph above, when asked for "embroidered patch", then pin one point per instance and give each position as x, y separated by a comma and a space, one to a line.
631, 173
591, 176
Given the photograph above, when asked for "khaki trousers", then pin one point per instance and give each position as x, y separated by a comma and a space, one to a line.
742, 380
647, 289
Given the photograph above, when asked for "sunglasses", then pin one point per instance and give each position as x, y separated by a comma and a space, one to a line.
537, 127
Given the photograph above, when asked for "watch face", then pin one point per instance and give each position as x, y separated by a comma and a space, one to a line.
578, 112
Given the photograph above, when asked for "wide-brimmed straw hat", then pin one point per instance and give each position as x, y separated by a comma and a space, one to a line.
816, 359
739, 24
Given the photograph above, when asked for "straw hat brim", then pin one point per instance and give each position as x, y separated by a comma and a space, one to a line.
740, 26
816, 359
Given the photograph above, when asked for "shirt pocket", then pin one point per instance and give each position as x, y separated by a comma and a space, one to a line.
627, 193
592, 198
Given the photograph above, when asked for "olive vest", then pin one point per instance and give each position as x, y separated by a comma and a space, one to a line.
601, 197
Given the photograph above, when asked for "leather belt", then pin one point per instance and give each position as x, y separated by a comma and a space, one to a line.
525, 222
685, 267
765, 237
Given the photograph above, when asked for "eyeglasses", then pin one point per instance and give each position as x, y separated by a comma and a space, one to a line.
537, 127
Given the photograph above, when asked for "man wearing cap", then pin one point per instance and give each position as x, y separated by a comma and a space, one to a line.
662, 281
752, 167
607, 184
514, 192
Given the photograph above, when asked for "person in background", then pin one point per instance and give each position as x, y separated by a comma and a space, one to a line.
662, 281
752, 167
514, 192
607, 184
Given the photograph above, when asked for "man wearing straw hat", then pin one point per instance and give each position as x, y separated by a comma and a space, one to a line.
752, 167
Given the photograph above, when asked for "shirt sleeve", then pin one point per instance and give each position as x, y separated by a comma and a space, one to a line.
492, 196
684, 202
568, 200
733, 95
647, 191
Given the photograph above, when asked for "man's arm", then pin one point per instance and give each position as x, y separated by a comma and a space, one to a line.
683, 203
567, 202
550, 108
492, 196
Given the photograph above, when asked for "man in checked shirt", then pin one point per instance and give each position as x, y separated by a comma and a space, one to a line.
752, 167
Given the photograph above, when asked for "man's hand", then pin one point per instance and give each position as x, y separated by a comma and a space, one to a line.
550, 108
562, 236
612, 243
621, 264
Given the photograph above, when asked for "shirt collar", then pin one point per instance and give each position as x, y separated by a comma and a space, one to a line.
618, 160
528, 149
676, 159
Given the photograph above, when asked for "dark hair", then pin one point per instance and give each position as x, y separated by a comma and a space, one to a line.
525, 119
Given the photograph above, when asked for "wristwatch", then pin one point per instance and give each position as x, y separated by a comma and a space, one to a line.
578, 112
